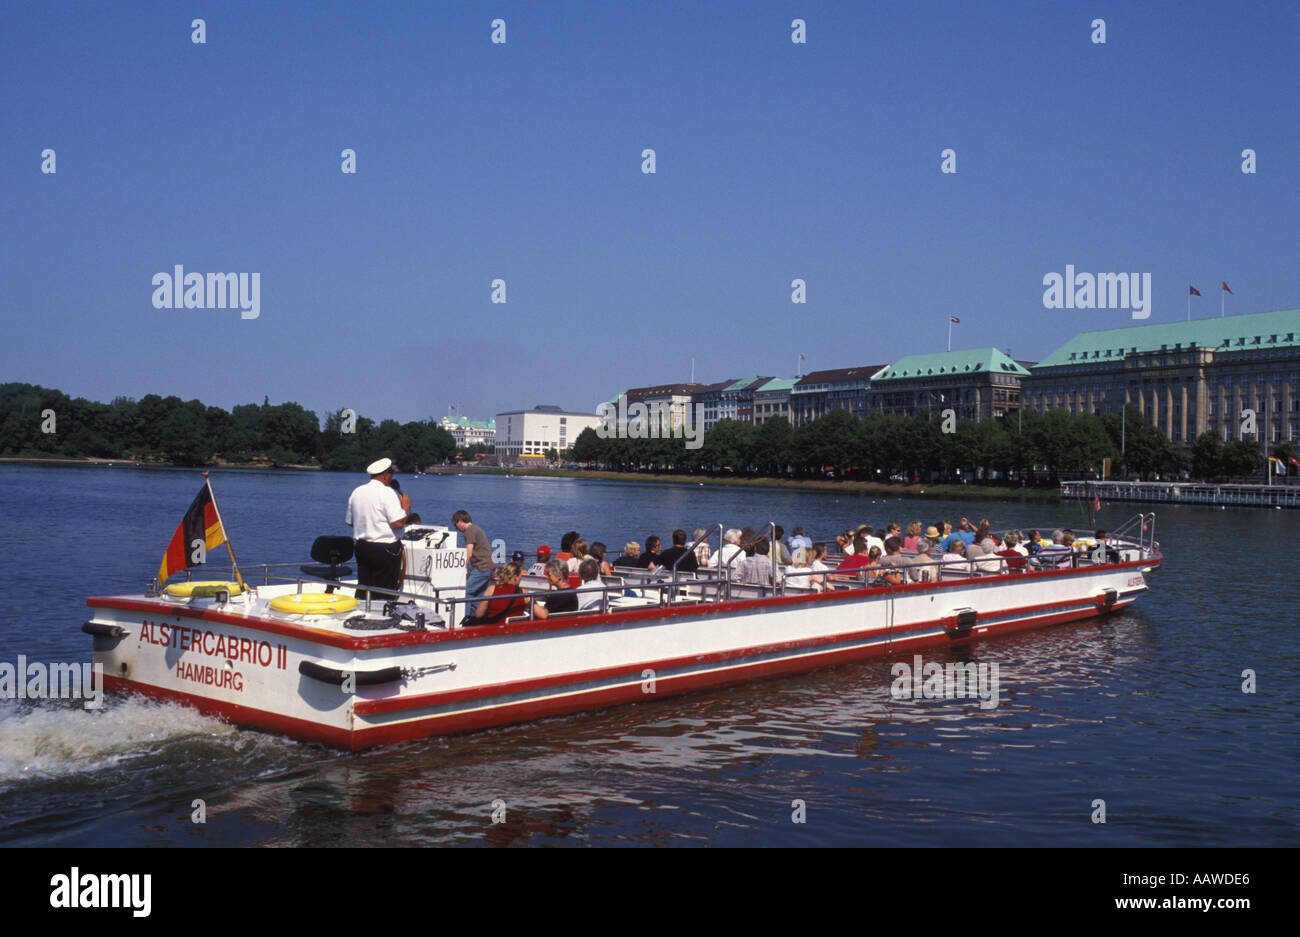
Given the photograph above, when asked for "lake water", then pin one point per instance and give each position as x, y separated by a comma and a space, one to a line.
1142, 709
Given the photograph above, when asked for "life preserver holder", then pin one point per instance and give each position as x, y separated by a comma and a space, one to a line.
314, 603
202, 589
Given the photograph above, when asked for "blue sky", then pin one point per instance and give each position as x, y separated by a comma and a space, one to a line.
523, 161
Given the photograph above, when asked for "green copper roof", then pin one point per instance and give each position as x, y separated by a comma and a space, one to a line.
472, 424
974, 361
743, 383
1231, 333
778, 383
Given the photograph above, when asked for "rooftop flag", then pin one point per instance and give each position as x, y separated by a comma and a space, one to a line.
1225, 287
1193, 291
953, 319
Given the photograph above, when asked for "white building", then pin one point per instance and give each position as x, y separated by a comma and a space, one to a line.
469, 432
529, 433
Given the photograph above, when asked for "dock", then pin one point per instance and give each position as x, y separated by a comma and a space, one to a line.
1253, 496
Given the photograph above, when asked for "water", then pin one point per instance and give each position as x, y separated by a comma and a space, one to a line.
1142, 709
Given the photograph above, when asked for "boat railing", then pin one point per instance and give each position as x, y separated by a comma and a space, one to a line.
666, 587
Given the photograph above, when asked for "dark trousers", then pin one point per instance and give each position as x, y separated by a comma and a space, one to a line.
378, 564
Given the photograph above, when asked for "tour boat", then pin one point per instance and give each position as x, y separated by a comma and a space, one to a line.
289, 649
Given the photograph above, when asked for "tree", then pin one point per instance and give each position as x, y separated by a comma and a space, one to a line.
1240, 458
588, 447
1207, 456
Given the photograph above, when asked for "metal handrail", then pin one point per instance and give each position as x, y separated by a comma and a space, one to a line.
1121, 538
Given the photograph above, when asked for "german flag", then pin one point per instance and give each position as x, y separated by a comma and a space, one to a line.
201, 524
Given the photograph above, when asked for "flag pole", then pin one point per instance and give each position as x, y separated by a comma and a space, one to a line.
229, 548
1189, 305
950, 333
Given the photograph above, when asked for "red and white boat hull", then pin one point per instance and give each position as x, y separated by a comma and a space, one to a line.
312, 679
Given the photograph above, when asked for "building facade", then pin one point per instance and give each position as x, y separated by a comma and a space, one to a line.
469, 432
772, 400
819, 392
530, 433
1186, 378
977, 384
667, 404
710, 397
737, 400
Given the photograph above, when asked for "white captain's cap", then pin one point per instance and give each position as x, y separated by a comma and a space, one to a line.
380, 467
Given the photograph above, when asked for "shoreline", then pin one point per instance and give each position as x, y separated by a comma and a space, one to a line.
880, 489
946, 492
90, 461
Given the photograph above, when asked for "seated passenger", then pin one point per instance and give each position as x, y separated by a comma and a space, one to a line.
798, 540
597, 552
799, 574
1015, 559
757, 569
678, 552
1104, 551
565, 543
730, 553
543, 557
954, 558
893, 565
556, 601
923, 564
592, 591
631, 555
989, 551
1055, 554
782, 550
508, 601
650, 558
866, 532
703, 550
578, 553
860, 558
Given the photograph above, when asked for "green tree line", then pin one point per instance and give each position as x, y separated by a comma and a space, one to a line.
39, 421
879, 446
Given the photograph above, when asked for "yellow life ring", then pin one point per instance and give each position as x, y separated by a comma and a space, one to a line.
201, 589
314, 603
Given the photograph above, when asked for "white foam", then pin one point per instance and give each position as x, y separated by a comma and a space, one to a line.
57, 742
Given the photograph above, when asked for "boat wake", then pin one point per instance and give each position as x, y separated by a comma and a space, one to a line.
61, 741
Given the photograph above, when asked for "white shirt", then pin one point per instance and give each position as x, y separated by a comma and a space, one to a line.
590, 595
725, 554
371, 510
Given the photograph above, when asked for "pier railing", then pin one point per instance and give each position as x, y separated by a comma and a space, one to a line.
1281, 496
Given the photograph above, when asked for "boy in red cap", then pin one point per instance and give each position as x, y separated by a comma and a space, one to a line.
543, 556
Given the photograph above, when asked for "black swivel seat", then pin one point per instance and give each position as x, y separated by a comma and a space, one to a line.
333, 551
